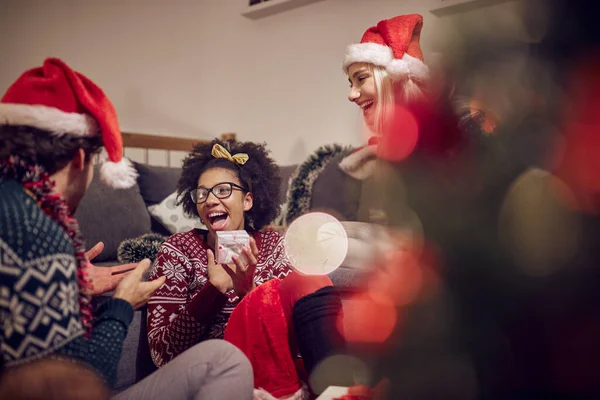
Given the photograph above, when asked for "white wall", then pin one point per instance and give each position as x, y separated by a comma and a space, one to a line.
198, 68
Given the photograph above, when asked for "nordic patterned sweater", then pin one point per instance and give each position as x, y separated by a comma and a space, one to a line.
39, 308
187, 308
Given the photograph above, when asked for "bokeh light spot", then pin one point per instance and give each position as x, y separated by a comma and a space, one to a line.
540, 232
400, 282
399, 138
316, 243
339, 370
367, 319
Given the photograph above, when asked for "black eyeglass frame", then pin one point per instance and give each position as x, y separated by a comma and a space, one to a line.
232, 185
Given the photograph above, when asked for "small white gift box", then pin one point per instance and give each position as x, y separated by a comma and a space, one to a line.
229, 243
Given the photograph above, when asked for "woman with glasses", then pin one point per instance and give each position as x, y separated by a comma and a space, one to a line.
235, 186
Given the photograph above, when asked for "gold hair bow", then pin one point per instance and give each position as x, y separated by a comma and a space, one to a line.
219, 151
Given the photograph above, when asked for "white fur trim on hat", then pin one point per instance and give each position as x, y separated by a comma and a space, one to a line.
408, 67
373, 53
48, 119
378, 54
118, 175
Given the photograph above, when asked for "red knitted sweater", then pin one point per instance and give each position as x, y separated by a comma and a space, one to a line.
187, 308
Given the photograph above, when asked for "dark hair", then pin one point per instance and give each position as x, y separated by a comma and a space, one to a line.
259, 175
40, 147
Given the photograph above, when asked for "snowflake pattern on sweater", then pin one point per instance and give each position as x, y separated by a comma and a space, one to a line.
175, 322
39, 307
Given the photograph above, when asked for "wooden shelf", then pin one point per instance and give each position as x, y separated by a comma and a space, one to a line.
156, 142
272, 7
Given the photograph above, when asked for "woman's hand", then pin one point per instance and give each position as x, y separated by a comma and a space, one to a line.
245, 266
239, 276
217, 275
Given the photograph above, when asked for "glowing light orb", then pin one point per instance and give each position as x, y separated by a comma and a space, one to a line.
316, 243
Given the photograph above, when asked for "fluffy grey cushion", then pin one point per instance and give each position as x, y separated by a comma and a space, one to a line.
136, 249
111, 215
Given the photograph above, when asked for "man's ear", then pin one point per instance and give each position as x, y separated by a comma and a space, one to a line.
248, 201
78, 160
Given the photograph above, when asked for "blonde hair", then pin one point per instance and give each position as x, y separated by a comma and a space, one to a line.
385, 96
389, 93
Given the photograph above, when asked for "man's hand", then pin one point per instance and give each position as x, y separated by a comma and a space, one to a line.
133, 290
105, 279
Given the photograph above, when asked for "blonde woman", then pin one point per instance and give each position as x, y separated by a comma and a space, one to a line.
391, 84
414, 134
386, 68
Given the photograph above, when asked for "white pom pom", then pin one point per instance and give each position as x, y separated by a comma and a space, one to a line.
119, 175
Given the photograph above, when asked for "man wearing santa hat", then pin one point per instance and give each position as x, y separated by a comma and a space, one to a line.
52, 121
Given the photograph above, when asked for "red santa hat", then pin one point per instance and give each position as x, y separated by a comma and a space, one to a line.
259, 328
393, 44
56, 99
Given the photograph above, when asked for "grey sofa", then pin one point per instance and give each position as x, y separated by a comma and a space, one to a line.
112, 216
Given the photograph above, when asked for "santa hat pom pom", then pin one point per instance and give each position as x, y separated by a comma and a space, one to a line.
118, 175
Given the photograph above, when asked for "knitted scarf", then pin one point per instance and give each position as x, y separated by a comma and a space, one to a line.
37, 181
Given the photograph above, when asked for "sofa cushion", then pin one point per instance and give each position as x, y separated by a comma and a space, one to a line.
111, 215
172, 217
156, 183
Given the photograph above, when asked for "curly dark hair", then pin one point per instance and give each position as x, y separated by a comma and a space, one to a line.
39, 147
259, 175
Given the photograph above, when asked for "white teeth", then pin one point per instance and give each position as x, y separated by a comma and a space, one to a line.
365, 104
216, 214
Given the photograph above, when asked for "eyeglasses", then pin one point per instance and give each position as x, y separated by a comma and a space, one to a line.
221, 191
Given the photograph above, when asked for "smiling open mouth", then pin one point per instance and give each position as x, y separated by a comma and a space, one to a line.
218, 220
366, 105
